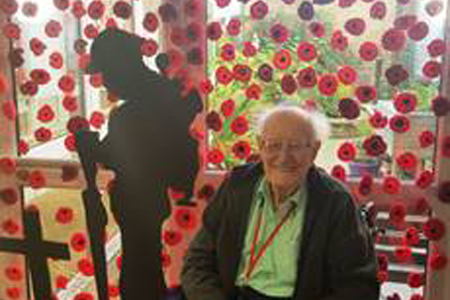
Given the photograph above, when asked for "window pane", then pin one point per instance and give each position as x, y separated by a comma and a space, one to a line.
373, 68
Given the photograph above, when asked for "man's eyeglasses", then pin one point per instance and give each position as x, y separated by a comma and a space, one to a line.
275, 146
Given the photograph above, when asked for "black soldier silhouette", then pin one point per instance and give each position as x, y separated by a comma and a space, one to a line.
149, 148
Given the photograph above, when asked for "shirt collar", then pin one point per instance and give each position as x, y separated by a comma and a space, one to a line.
263, 192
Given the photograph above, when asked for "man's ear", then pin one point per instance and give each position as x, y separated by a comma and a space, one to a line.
259, 142
316, 147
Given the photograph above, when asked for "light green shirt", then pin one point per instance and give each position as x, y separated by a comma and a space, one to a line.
276, 271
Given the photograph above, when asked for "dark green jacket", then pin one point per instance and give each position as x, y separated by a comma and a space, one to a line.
336, 262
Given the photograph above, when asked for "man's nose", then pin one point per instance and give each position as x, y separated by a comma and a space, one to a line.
285, 154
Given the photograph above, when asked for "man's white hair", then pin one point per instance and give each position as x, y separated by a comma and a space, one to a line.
319, 123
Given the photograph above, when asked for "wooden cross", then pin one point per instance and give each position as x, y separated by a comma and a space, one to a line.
36, 252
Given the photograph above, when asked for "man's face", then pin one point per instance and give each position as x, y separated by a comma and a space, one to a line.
287, 150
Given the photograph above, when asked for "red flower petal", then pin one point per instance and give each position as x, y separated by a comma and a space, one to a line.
378, 10
259, 10
426, 138
368, 51
338, 41
425, 179
45, 114
61, 4
172, 237
214, 31
64, 215
150, 22
405, 22
43, 134
213, 121
407, 161
241, 149
347, 75
306, 51
77, 123
366, 93
37, 179
328, 84
405, 102
9, 196
78, 9
53, 29
224, 75
433, 229
96, 9
185, 218
347, 152
403, 254
84, 296
365, 185
418, 31
97, 119
282, 59
122, 9
215, 156
440, 106
70, 143
377, 120
70, 103
349, 108
355, 26
14, 273
78, 242
9, 7
56, 60
279, 33
391, 185
416, 280
61, 281
437, 261
436, 47
9, 109
37, 46
227, 52
206, 86
149, 47
12, 31
86, 267
239, 125
317, 29
13, 292
412, 236
10, 227
397, 213
91, 31
339, 173
374, 145
396, 74
249, 49
399, 124
242, 72
234, 26
66, 84
432, 69
206, 192
288, 84
227, 107
393, 40
306, 77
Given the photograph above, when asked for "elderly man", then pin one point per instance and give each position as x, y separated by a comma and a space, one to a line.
282, 229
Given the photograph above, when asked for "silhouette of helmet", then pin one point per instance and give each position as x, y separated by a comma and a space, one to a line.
115, 50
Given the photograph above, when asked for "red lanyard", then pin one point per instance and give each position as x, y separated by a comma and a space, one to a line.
254, 259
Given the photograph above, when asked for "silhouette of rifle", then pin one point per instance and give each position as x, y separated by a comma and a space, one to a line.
87, 144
